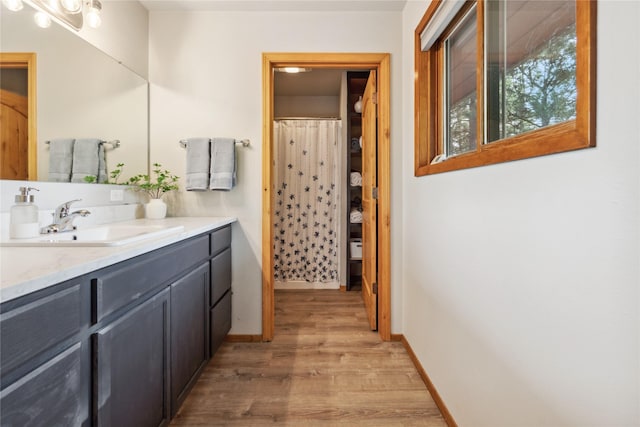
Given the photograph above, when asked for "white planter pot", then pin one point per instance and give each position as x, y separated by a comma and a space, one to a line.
155, 209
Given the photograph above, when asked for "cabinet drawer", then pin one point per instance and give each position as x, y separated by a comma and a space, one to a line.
31, 329
122, 283
220, 275
54, 394
220, 239
220, 322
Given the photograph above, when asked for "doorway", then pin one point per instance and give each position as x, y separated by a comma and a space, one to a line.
18, 117
380, 63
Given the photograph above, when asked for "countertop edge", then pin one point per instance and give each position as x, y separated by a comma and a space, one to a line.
52, 268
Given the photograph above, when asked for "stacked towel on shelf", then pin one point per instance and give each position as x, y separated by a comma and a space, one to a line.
60, 157
355, 216
356, 179
198, 161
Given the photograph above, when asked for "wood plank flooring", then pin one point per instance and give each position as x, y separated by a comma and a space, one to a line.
323, 368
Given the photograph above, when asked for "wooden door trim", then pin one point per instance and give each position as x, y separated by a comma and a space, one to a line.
381, 63
28, 60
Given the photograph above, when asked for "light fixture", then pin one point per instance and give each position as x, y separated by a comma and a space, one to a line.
93, 13
13, 5
42, 19
72, 6
68, 13
292, 70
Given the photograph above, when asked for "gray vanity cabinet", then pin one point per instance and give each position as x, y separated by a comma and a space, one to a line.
220, 313
45, 358
120, 346
131, 357
189, 332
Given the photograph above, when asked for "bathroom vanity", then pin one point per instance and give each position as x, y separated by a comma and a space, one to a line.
119, 345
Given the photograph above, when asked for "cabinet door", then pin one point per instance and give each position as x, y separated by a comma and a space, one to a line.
189, 331
131, 367
220, 322
54, 394
220, 275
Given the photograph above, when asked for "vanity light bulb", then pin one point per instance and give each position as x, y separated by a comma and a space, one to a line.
93, 17
13, 5
42, 20
71, 6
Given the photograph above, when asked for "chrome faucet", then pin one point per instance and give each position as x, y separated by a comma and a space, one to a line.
63, 220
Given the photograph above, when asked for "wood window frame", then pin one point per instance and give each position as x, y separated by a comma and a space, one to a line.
570, 135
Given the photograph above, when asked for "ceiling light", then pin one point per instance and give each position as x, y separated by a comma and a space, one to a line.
42, 20
72, 6
292, 70
56, 10
93, 14
13, 5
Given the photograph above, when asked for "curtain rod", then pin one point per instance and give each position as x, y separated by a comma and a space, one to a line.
306, 118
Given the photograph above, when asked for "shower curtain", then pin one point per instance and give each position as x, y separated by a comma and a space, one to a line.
306, 196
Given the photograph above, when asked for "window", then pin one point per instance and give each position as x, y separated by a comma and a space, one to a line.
501, 80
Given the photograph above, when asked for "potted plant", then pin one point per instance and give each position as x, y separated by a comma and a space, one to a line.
155, 186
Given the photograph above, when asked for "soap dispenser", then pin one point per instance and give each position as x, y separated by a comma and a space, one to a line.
23, 216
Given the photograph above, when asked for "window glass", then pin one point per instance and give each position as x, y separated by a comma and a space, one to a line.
530, 70
460, 75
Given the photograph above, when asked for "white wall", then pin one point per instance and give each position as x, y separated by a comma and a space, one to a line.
123, 34
521, 279
205, 73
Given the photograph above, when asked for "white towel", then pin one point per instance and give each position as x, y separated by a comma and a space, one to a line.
223, 164
355, 216
198, 164
86, 159
356, 179
60, 155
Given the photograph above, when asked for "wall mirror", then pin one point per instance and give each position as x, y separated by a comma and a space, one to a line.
81, 92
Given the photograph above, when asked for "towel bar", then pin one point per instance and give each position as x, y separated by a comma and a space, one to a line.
115, 143
244, 142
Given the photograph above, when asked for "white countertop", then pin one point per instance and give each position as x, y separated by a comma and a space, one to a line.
27, 269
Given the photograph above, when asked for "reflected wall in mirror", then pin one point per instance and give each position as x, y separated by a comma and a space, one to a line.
81, 93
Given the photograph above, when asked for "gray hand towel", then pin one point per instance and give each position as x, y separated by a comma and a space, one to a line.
86, 159
223, 164
60, 157
102, 164
198, 159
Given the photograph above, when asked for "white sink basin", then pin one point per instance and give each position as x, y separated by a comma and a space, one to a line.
105, 235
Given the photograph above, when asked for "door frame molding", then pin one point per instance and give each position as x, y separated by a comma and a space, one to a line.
381, 62
27, 60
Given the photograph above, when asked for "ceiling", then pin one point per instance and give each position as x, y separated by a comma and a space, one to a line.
276, 5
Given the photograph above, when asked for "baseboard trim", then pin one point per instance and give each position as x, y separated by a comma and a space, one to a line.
397, 337
243, 338
427, 381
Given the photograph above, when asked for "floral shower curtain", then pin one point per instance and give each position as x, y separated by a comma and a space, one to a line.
306, 196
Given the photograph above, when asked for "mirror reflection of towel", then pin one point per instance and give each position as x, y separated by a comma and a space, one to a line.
60, 155
223, 164
87, 160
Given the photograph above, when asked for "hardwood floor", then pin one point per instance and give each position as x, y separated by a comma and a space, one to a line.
323, 368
